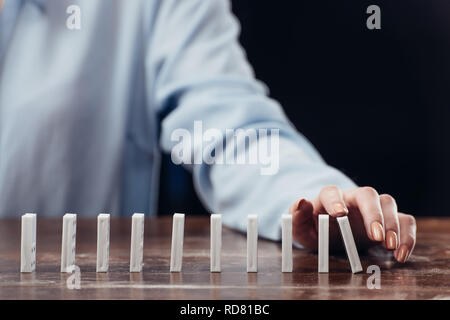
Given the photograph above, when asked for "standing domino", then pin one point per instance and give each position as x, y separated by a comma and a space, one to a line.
286, 243
349, 242
176, 254
69, 234
28, 243
323, 242
137, 242
103, 242
252, 243
216, 242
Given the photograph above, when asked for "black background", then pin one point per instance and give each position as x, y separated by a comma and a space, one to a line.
373, 102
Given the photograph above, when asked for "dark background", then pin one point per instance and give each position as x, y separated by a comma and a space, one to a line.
373, 102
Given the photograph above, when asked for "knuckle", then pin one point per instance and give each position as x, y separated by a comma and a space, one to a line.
370, 191
410, 220
387, 199
409, 225
329, 190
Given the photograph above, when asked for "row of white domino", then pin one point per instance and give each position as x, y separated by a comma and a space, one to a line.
28, 245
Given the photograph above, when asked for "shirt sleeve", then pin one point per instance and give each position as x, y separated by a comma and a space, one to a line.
200, 77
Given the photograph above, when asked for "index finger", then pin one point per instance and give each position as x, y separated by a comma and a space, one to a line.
332, 202
367, 200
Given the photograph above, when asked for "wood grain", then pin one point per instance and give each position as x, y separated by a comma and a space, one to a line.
425, 276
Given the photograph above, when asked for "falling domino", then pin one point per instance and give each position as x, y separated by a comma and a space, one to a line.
349, 242
137, 242
252, 243
216, 242
28, 243
323, 242
103, 242
68, 242
176, 254
286, 243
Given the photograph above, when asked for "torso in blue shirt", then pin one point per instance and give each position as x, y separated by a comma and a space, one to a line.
85, 113
76, 134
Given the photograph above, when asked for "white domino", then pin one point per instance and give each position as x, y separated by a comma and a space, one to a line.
323, 242
252, 243
137, 242
28, 243
349, 242
103, 227
216, 242
69, 234
176, 253
286, 243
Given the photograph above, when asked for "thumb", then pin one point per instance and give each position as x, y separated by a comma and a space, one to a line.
304, 228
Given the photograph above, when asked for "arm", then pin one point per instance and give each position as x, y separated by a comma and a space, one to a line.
201, 73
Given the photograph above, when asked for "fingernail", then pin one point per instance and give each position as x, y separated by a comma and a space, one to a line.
377, 231
339, 208
391, 240
402, 253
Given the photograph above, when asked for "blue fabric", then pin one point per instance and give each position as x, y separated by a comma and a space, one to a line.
84, 114
8, 19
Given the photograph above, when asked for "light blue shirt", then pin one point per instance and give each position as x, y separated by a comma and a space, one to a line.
85, 114
7, 22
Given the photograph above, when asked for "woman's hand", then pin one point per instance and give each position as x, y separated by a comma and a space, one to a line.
374, 219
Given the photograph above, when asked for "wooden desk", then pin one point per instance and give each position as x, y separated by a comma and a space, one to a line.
425, 276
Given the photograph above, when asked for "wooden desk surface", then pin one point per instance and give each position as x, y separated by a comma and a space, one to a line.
425, 276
